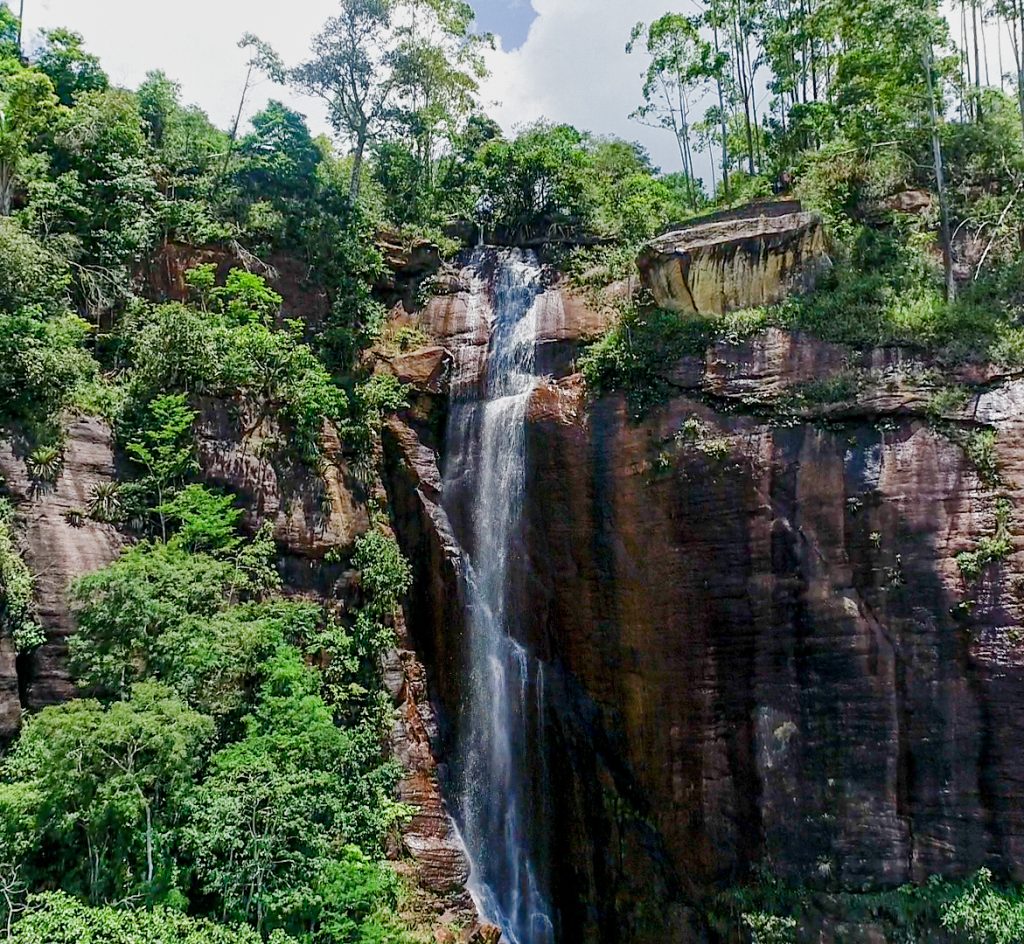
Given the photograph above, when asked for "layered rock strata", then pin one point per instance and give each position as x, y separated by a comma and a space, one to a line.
741, 261
760, 653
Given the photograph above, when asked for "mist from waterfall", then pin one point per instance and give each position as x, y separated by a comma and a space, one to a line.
500, 803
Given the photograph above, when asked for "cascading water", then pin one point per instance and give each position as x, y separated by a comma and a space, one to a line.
500, 802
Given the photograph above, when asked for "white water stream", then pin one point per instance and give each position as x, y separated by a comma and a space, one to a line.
498, 754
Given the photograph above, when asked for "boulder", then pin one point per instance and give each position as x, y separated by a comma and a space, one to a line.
726, 264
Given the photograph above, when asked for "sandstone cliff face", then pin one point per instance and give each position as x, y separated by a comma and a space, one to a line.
733, 263
759, 651
60, 546
775, 628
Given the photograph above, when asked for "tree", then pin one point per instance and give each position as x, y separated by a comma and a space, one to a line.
538, 185
73, 70
109, 785
164, 446
17, 587
158, 101
279, 156
125, 611
384, 63
681, 64
352, 70
438, 68
100, 196
262, 59
10, 34
280, 807
42, 360
27, 103
879, 87
940, 181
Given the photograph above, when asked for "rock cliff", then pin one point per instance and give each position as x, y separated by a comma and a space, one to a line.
62, 543
760, 653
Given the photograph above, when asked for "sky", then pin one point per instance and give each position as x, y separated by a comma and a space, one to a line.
558, 59
563, 60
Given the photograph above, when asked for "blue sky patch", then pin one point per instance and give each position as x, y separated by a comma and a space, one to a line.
510, 19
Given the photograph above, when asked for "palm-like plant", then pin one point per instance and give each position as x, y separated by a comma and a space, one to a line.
45, 463
105, 503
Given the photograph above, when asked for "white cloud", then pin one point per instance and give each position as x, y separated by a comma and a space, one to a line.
573, 68
193, 41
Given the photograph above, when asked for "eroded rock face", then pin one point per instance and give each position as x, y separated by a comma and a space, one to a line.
739, 262
759, 651
10, 701
61, 544
241, 450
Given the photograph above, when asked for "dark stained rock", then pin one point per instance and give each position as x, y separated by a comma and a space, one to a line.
10, 701
759, 652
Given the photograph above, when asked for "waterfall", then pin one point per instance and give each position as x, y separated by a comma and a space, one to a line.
499, 798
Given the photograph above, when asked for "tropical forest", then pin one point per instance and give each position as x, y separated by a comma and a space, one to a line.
427, 522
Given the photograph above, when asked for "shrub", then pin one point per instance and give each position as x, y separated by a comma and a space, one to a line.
58, 918
640, 350
991, 549
986, 914
17, 587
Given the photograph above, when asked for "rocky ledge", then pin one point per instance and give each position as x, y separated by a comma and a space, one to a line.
740, 259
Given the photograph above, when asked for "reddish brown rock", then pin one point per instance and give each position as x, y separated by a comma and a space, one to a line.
425, 369
163, 277
429, 838
311, 512
61, 544
756, 644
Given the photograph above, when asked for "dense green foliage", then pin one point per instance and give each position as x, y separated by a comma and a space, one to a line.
16, 587
58, 918
208, 717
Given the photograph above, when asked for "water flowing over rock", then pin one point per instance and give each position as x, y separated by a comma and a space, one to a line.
500, 794
740, 259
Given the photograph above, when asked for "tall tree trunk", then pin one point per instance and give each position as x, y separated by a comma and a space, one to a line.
237, 123
358, 157
744, 90
6, 188
940, 179
725, 122
977, 61
1018, 50
965, 62
149, 847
